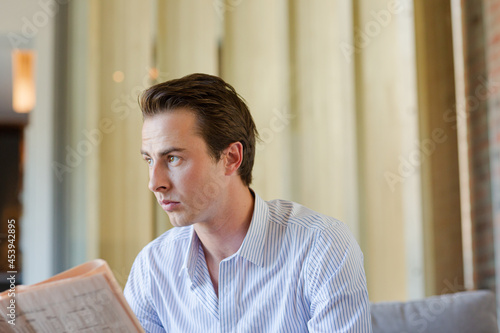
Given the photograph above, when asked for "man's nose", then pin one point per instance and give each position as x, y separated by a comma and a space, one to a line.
158, 179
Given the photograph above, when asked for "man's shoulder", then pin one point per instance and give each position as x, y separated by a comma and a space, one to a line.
289, 213
327, 237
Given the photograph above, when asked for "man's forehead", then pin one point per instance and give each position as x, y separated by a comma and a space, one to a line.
170, 129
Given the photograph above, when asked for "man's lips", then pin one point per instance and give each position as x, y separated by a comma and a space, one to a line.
169, 205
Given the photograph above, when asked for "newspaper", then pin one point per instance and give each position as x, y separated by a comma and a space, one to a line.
84, 299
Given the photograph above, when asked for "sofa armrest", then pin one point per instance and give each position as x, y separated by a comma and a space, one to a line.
469, 311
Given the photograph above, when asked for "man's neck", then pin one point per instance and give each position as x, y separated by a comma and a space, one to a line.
222, 238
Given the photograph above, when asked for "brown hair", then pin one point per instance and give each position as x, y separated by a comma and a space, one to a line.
222, 115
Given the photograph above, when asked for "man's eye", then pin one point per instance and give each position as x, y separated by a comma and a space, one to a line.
173, 159
149, 161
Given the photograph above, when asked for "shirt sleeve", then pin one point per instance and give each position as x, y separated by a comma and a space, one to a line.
137, 293
337, 284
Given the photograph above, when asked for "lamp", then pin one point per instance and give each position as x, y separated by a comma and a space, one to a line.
23, 80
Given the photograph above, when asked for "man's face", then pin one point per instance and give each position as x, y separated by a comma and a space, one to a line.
185, 179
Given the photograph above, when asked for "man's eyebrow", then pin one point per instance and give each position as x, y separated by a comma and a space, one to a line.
165, 152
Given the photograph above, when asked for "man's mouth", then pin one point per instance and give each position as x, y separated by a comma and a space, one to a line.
169, 205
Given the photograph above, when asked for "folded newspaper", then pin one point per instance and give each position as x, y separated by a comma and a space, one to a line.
86, 298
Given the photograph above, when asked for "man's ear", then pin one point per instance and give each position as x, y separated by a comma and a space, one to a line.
233, 157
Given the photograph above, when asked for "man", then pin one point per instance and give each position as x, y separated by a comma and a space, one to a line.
233, 262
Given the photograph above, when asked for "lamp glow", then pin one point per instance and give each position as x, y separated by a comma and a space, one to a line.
23, 81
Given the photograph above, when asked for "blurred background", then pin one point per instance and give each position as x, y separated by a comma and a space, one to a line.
382, 113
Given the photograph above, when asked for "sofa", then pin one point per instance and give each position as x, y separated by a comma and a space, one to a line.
463, 312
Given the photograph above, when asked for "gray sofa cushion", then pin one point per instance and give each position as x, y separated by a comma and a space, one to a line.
467, 312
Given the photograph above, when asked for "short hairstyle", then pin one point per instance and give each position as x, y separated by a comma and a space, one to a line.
222, 114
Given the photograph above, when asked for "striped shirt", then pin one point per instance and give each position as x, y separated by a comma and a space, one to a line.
296, 271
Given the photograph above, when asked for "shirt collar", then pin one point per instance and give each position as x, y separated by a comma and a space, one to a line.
252, 247
253, 244
191, 255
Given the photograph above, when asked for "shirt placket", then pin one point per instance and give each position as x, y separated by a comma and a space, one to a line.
227, 310
202, 286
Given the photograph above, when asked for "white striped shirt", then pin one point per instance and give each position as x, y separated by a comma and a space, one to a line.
296, 271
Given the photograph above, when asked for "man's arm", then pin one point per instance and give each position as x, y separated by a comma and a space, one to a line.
337, 284
137, 292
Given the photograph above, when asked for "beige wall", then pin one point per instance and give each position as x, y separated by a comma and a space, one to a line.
386, 108
323, 98
256, 62
121, 42
441, 183
338, 117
